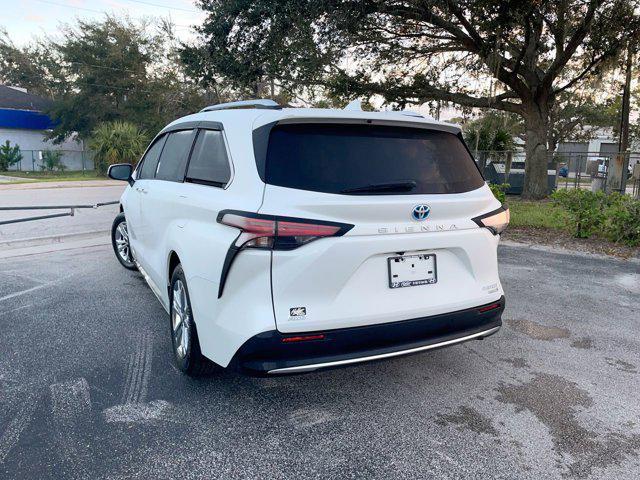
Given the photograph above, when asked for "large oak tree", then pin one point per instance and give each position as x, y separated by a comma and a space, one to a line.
511, 55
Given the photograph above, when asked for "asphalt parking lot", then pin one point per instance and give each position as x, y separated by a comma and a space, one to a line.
87, 389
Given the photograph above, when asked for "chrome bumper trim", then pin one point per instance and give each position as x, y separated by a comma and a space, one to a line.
316, 366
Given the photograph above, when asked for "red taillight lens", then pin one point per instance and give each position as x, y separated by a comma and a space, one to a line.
489, 307
250, 225
294, 229
303, 338
266, 231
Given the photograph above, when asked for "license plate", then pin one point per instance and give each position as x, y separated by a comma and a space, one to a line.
412, 270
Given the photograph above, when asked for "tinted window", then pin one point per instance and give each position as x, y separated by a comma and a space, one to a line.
175, 153
150, 160
338, 158
209, 163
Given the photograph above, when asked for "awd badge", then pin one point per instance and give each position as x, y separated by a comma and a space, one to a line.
297, 311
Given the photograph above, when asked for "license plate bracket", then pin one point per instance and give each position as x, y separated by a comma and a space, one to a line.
412, 270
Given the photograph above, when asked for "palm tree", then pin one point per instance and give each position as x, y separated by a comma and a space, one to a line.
116, 142
493, 132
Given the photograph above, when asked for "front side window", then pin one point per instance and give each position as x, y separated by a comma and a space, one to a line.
209, 163
150, 159
369, 160
175, 154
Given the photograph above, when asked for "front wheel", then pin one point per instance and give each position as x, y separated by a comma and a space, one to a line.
120, 242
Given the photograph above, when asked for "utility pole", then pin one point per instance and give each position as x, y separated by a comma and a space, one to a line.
618, 167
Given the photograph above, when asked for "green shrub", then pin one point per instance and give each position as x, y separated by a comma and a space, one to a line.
500, 191
116, 142
51, 161
615, 216
9, 155
622, 220
585, 208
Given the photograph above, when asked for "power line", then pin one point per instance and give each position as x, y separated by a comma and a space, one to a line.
74, 7
70, 6
165, 6
99, 85
101, 66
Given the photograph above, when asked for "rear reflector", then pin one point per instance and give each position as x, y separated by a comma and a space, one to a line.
491, 306
303, 338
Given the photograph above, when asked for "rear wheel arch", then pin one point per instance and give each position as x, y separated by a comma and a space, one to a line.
174, 261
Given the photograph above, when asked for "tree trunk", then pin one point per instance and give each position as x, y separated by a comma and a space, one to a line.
535, 171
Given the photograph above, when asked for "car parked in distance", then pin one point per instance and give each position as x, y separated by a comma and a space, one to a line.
285, 240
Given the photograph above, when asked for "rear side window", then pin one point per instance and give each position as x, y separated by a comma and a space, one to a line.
175, 153
349, 158
209, 163
150, 160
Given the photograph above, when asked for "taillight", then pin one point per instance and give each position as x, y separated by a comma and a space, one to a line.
496, 221
278, 233
273, 233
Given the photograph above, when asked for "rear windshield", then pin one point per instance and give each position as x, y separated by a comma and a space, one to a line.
349, 159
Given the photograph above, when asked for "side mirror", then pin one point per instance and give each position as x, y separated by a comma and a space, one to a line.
121, 171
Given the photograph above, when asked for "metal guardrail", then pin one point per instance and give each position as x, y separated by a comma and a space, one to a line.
70, 213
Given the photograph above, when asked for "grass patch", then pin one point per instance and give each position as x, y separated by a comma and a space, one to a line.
538, 214
54, 176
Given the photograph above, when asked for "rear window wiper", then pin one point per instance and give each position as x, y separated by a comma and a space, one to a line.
406, 186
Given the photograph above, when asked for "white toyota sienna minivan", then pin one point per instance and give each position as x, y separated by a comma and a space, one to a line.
285, 240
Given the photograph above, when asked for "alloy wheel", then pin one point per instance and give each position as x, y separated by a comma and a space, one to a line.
180, 319
122, 242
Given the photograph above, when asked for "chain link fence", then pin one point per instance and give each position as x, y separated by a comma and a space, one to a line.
54, 160
564, 170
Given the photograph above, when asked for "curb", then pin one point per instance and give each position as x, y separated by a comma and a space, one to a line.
36, 185
47, 240
54, 247
566, 251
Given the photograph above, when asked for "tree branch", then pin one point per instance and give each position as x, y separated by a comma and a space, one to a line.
572, 45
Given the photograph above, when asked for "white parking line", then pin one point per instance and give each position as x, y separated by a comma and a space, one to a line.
71, 409
28, 290
21, 421
11, 310
33, 289
70, 400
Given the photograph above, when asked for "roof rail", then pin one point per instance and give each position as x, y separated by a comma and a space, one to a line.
411, 113
259, 103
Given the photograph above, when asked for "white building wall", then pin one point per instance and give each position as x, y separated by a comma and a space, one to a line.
32, 142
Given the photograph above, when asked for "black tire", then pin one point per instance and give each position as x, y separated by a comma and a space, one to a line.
187, 355
126, 260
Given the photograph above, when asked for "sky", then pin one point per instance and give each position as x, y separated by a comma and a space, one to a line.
25, 19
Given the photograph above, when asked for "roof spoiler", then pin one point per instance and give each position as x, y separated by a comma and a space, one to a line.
356, 105
262, 103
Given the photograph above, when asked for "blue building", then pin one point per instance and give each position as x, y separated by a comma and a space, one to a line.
23, 122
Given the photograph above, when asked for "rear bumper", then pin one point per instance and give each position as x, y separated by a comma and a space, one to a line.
266, 353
